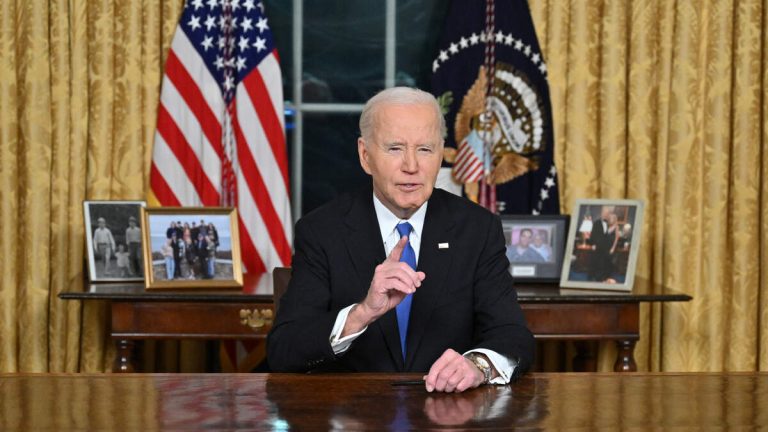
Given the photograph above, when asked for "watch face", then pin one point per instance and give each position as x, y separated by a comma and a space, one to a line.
483, 362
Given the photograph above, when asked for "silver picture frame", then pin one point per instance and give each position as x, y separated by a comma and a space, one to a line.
603, 244
107, 231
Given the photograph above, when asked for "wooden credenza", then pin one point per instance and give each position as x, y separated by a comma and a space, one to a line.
552, 314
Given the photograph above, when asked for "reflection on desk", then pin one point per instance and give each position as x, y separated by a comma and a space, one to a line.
370, 401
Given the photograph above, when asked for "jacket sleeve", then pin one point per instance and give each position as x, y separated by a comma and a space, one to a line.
300, 338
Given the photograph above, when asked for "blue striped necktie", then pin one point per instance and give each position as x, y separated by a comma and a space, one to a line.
404, 308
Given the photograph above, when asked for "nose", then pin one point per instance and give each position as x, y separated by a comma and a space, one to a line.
410, 163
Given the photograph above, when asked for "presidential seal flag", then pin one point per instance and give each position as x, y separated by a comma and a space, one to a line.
491, 81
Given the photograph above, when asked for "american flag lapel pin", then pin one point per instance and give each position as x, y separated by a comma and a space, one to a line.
442, 245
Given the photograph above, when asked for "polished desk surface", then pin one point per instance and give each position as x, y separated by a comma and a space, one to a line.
259, 289
370, 402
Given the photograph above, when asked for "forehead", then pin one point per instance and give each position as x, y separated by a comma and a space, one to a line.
417, 122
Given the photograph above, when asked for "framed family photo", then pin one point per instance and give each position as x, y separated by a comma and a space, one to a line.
113, 240
535, 246
603, 243
191, 248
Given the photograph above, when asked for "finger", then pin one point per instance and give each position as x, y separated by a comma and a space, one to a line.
421, 275
397, 252
447, 379
398, 286
437, 368
460, 371
404, 273
466, 383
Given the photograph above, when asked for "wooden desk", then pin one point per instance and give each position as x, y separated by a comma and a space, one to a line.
356, 402
552, 313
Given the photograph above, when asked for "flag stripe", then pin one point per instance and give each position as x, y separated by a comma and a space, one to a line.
269, 69
181, 149
263, 157
251, 258
161, 189
191, 95
209, 155
263, 244
174, 174
257, 91
254, 180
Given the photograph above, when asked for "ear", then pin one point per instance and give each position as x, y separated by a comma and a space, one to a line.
363, 154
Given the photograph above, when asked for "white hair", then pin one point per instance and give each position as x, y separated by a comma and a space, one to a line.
397, 96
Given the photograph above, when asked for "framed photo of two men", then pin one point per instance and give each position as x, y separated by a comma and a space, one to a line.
603, 243
535, 246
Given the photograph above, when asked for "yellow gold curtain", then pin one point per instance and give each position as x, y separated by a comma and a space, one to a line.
79, 82
659, 100
665, 101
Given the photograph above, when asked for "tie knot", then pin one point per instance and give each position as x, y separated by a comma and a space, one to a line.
404, 229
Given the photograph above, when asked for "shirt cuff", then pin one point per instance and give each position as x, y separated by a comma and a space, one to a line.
504, 366
340, 345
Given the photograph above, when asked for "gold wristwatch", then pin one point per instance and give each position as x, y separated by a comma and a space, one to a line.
483, 364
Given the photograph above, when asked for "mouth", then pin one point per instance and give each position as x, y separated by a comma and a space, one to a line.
408, 187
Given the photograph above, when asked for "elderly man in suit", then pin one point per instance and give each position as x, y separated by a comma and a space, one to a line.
400, 276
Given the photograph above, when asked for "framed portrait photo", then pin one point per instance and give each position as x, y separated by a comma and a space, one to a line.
535, 246
603, 243
191, 248
113, 240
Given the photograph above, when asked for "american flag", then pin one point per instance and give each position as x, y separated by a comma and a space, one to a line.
469, 166
220, 137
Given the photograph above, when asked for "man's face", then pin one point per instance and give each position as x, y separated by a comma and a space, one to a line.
404, 156
538, 240
525, 238
606, 212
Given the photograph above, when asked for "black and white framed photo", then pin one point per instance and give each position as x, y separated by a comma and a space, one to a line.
113, 240
191, 247
603, 243
535, 246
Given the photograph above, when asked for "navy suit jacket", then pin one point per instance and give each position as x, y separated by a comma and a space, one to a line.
466, 301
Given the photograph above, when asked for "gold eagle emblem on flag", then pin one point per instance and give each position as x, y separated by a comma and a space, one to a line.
496, 135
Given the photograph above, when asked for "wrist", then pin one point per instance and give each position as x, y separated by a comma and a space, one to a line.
482, 364
357, 319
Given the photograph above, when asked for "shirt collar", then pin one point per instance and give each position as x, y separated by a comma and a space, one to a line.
388, 221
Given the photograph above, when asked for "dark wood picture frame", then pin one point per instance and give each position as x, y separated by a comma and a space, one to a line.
539, 258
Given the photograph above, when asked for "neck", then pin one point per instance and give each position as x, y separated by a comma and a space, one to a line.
401, 213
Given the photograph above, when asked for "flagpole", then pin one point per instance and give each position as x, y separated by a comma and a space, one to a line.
297, 161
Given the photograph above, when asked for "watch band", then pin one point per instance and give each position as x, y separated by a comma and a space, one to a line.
483, 365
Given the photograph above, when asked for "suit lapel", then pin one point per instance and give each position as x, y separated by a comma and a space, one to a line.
435, 262
366, 251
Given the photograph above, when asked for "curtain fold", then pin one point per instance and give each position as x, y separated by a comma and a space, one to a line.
659, 100
665, 102
79, 82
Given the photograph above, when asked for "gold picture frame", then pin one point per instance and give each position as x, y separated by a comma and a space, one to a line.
179, 254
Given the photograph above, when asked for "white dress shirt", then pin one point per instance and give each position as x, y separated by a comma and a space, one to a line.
388, 225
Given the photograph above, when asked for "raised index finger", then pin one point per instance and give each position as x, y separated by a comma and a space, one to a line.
397, 252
